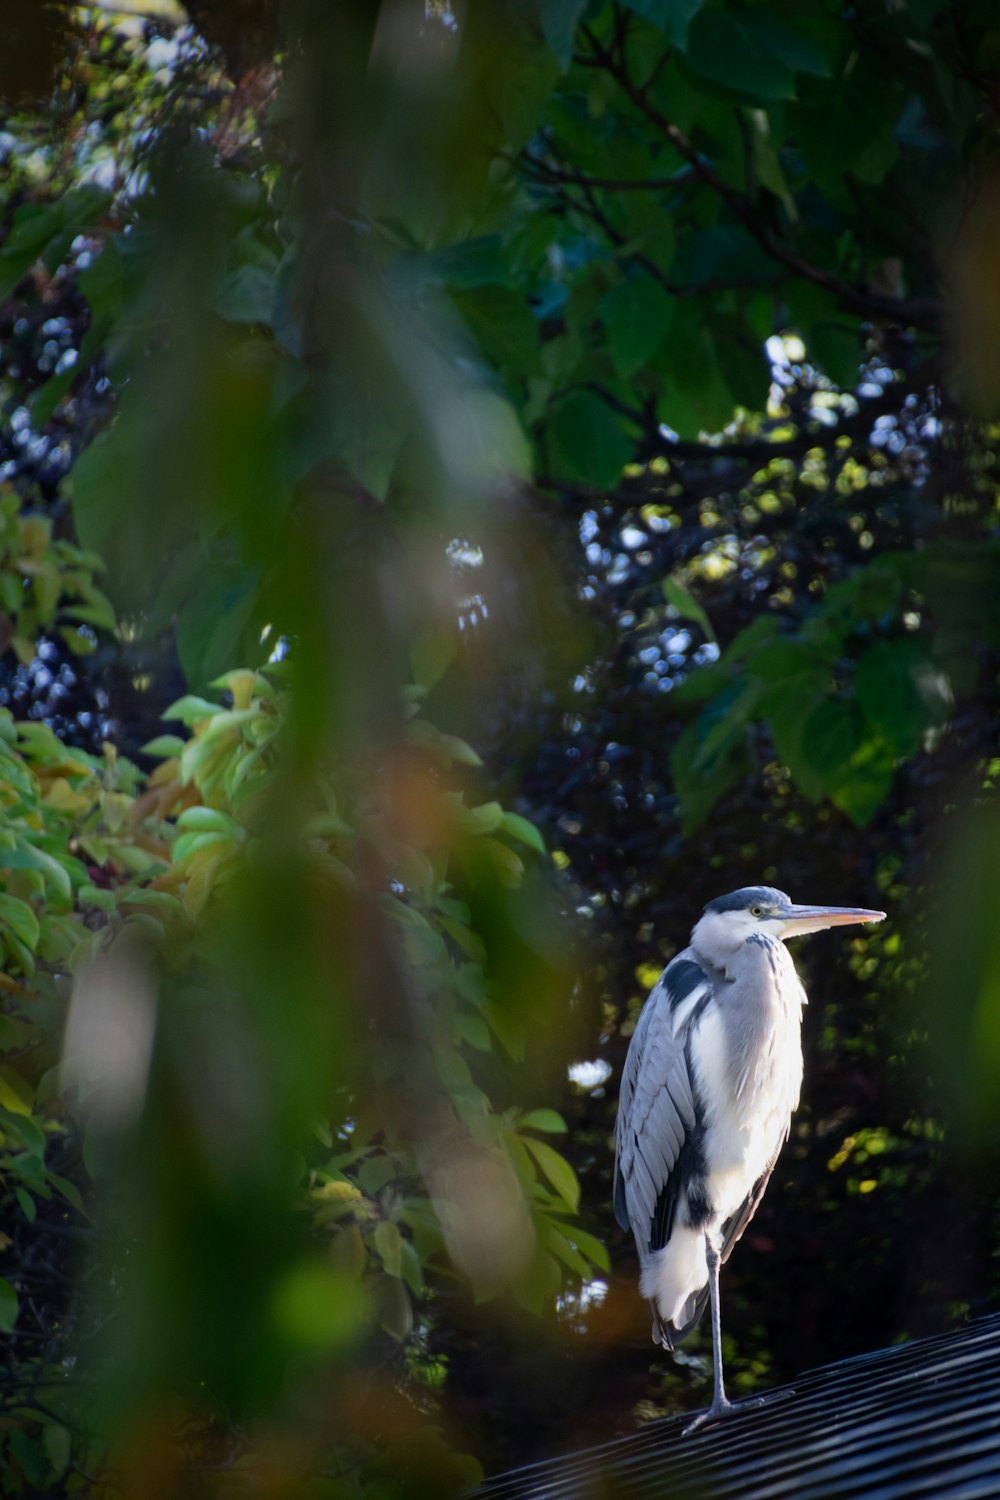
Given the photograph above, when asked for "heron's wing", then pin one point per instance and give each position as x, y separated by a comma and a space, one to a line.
656, 1107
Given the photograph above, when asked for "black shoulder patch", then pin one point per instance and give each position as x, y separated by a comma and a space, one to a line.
683, 976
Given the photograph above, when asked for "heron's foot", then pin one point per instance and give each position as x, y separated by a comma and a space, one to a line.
719, 1408
725, 1408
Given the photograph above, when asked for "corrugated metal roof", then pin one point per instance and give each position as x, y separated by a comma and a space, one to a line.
917, 1420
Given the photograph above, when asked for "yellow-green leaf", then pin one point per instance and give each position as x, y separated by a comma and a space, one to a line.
556, 1169
543, 1119
389, 1246
20, 919
519, 828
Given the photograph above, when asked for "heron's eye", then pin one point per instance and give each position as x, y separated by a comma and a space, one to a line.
756, 911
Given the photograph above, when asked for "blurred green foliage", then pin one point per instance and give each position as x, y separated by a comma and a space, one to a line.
357, 293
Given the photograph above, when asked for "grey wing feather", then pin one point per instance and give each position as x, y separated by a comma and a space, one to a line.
656, 1105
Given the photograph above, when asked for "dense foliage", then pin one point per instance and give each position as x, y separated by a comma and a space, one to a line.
477, 485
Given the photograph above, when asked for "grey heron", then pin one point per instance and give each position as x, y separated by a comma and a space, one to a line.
712, 1075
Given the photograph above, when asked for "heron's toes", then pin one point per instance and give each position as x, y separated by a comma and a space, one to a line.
715, 1413
724, 1408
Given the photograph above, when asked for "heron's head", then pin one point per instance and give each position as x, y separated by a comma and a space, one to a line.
730, 920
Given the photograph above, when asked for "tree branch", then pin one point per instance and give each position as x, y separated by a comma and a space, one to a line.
755, 453
563, 178
922, 312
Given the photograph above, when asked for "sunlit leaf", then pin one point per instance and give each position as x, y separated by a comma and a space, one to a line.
543, 1119
677, 594
520, 828
557, 1169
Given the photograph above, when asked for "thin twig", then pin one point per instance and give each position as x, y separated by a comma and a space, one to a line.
922, 312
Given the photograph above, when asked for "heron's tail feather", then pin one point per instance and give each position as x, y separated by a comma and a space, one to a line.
675, 1279
663, 1334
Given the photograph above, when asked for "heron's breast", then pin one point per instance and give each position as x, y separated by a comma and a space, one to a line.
748, 1086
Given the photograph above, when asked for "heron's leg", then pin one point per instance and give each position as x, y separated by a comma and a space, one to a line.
720, 1403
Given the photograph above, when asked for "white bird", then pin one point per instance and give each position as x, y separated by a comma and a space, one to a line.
712, 1076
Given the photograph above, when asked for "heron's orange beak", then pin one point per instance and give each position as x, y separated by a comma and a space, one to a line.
802, 919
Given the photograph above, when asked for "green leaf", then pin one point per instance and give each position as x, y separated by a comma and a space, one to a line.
58, 936
520, 828
45, 232
190, 709
713, 753
839, 119
94, 895
831, 735
246, 295
698, 397
103, 281
21, 920
886, 687
459, 751
25, 1131
672, 17
637, 314
474, 1030
785, 665
722, 252
836, 348
503, 325
26, 857
875, 161
586, 440
215, 625
590, 1246
58, 1444
316, 1306
703, 683
206, 820
516, 81
27, 1203
8, 1306
543, 1119
468, 263
374, 1173
564, 1251
786, 718
683, 601
165, 746
27, 1452
751, 52
68, 1189
559, 21
865, 784
431, 655
486, 445
389, 1246
798, 52
540, 1283
395, 1311
556, 1169
476, 821
412, 1269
